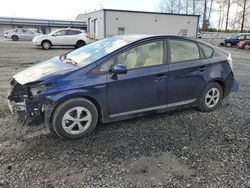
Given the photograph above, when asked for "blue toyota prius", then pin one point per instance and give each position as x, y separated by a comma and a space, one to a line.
121, 77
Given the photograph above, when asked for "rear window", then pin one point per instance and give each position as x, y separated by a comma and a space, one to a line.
207, 50
73, 32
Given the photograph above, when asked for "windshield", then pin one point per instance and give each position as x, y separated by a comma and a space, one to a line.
94, 51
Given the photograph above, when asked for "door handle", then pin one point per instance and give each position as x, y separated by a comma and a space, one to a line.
160, 78
202, 68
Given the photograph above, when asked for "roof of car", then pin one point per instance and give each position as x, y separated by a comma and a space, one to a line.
136, 37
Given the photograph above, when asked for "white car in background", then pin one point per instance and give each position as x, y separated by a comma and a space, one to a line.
20, 33
63, 37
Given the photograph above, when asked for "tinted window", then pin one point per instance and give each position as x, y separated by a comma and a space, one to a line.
60, 33
182, 50
207, 50
73, 32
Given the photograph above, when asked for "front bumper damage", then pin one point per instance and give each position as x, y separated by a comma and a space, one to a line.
31, 110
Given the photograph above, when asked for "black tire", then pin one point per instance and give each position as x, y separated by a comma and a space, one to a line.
246, 47
203, 106
46, 44
80, 44
64, 108
14, 38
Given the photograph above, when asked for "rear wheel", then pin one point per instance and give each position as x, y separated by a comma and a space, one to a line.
247, 46
14, 38
80, 44
210, 97
75, 118
46, 45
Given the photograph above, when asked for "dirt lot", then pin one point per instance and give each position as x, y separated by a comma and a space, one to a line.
185, 148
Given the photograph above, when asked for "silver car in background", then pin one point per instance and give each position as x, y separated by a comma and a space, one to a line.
20, 33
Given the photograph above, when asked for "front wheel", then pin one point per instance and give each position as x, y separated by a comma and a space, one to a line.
247, 47
210, 97
14, 38
46, 45
75, 118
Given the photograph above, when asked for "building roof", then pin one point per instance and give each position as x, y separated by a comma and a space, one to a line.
133, 11
41, 22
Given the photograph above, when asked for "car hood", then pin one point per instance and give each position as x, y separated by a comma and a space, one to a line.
42, 71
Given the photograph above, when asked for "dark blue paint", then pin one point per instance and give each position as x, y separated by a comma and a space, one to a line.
137, 89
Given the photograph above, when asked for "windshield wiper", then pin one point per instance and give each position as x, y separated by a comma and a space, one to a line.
65, 59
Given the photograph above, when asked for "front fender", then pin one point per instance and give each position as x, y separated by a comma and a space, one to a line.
56, 99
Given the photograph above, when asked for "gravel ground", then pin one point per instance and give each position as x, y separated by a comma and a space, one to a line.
184, 148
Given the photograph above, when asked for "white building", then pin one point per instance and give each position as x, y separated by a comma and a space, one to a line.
108, 22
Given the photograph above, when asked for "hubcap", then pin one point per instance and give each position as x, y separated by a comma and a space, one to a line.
46, 45
76, 120
229, 44
212, 97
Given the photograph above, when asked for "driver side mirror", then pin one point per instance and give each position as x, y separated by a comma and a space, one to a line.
119, 69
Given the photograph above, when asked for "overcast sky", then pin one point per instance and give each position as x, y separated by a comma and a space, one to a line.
61, 9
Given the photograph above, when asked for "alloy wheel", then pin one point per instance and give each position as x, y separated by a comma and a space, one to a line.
212, 97
76, 120
46, 45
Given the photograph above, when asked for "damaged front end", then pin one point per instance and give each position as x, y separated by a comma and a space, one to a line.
21, 100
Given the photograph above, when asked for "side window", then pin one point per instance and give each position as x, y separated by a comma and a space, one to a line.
241, 37
145, 55
182, 50
248, 37
207, 50
73, 32
20, 31
60, 33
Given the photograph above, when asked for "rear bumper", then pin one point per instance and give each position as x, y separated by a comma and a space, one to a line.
236, 86
231, 85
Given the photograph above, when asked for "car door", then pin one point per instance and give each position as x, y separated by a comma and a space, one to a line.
20, 33
187, 72
238, 39
58, 38
27, 34
144, 87
72, 37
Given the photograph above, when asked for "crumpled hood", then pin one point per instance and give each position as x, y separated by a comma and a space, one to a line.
45, 70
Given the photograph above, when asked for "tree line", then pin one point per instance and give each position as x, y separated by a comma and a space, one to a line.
232, 14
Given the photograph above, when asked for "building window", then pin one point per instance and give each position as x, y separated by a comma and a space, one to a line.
121, 30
